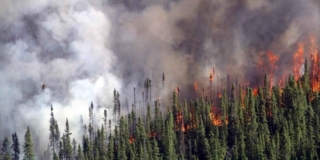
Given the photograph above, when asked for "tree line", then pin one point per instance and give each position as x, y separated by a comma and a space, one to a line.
267, 122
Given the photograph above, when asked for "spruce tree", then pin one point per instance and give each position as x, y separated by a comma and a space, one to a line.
203, 143
155, 154
15, 147
67, 142
251, 127
55, 156
52, 130
79, 153
28, 146
74, 148
232, 119
169, 139
111, 148
6, 149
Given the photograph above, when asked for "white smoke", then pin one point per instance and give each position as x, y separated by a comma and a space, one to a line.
64, 45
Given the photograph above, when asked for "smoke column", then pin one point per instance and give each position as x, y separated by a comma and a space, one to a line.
82, 50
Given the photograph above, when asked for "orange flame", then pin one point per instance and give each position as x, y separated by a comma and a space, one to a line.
195, 86
272, 59
178, 90
255, 91
179, 121
131, 139
152, 134
219, 95
315, 85
215, 117
298, 61
282, 81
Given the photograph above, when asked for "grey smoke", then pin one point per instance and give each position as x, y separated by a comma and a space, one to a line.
82, 50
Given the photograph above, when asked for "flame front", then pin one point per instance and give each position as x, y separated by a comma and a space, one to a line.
315, 85
298, 61
215, 117
272, 59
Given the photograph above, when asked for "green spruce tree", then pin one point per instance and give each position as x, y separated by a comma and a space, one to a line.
28, 146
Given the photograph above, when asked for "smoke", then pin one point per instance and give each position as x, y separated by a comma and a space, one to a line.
229, 36
82, 50
66, 47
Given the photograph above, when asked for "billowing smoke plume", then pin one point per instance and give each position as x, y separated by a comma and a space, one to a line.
82, 50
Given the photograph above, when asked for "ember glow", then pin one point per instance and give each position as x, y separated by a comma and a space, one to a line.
255, 91
131, 139
195, 86
215, 116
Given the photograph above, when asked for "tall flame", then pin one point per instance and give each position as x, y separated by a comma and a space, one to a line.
272, 60
282, 81
298, 61
315, 85
179, 121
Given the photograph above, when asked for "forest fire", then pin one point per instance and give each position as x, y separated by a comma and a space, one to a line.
298, 61
131, 139
281, 82
152, 134
177, 90
268, 66
272, 59
315, 59
195, 86
255, 91
219, 95
179, 122
211, 77
215, 116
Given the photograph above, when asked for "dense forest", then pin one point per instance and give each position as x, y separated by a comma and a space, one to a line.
266, 122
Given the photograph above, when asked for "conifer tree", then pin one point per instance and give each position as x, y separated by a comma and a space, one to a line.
67, 142
251, 127
87, 148
79, 153
5, 150
203, 143
233, 119
56, 133
15, 147
74, 148
55, 156
285, 144
111, 148
169, 139
155, 150
61, 151
52, 130
28, 146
